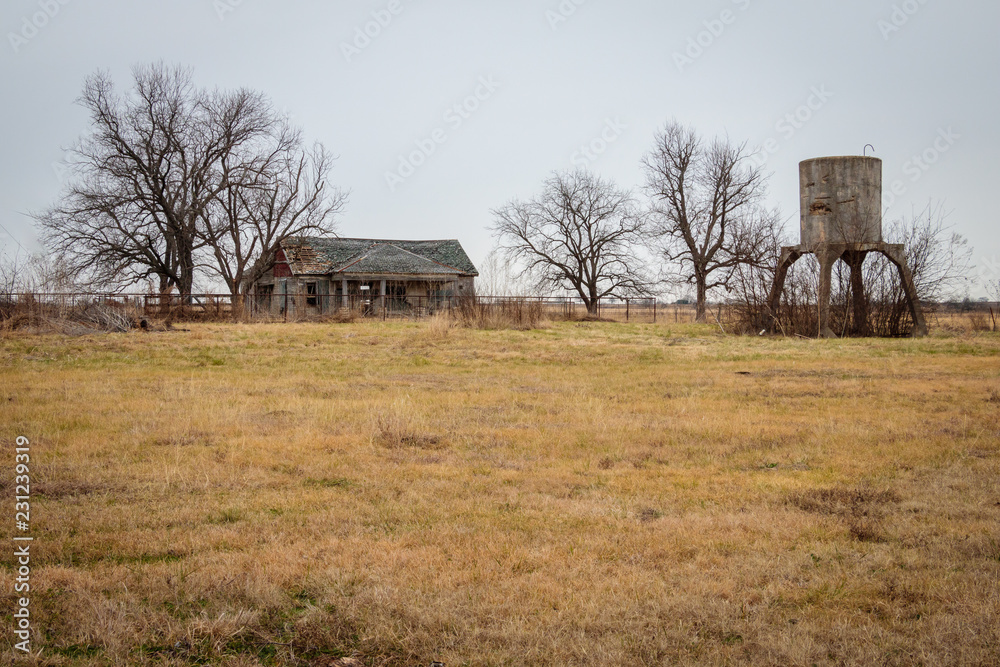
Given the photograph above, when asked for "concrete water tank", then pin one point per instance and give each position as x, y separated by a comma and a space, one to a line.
841, 200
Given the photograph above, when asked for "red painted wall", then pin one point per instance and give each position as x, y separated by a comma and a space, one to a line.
281, 268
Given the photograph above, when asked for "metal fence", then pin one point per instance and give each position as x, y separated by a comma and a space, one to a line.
56, 304
303, 307
286, 307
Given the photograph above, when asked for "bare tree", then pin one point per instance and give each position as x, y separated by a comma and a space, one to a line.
269, 194
149, 174
707, 210
143, 178
580, 233
500, 276
939, 257
13, 270
34, 274
749, 288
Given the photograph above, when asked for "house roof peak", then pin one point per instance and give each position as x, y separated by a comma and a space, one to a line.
332, 255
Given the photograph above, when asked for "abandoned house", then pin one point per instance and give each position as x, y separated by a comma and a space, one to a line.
315, 276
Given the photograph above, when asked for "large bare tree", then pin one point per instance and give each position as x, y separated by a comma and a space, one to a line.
707, 209
173, 178
129, 213
581, 233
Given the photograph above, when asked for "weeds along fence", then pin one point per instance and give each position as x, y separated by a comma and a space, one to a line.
885, 320
69, 313
57, 305
478, 310
80, 312
32, 308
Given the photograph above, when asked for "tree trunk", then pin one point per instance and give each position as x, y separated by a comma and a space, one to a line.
238, 306
592, 302
701, 315
186, 278
165, 288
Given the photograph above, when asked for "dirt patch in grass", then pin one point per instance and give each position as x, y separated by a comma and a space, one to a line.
648, 514
64, 488
853, 502
192, 439
864, 508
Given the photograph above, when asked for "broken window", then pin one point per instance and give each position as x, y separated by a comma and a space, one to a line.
264, 293
311, 294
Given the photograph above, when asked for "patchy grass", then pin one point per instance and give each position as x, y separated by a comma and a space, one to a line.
587, 494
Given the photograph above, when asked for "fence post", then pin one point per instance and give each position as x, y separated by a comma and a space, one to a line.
627, 303
654, 311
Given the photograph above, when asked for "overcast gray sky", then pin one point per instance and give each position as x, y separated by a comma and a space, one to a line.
536, 81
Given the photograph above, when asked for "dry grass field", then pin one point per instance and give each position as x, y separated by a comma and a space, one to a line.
583, 494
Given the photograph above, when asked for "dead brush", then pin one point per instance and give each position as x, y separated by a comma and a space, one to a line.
392, 430
981, 321
77, 320
340, 316
439, 325
520, 314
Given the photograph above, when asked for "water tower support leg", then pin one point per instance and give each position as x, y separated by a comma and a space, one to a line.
826, 261
788, 257
856, 259
896, 256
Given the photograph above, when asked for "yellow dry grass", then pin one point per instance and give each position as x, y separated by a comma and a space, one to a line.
586, 494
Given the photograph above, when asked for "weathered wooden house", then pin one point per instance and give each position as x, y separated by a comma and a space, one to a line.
314, 276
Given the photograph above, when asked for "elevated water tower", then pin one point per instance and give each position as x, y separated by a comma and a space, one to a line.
841, 218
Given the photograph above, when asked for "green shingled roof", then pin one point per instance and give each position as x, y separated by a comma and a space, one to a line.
321, 256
